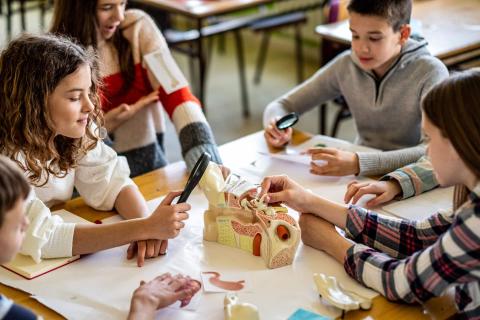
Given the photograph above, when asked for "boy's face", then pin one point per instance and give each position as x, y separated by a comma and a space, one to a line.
375, 43
12, 231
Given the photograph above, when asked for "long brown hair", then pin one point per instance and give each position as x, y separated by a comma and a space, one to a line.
77, 19
31, 67
453, 106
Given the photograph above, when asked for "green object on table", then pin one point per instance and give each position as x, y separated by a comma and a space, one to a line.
321, 145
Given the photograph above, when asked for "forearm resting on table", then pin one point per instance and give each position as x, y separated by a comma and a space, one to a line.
330, 211
130, 203
89, 238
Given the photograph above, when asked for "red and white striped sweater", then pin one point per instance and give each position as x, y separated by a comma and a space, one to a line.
140, 138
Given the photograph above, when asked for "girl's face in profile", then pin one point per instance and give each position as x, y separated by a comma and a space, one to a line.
110, 13
70, 105
448, 166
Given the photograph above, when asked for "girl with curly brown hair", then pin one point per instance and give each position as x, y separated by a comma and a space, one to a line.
142, 81
49, 113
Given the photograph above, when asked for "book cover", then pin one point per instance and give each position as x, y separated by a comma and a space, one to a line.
26, 267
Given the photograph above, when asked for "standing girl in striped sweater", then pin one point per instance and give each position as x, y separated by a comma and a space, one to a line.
412, 261
140, 77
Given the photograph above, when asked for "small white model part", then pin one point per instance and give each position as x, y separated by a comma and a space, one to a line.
330, 290
234, 310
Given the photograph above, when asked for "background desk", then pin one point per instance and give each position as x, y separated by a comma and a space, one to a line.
235, 154
451, 27
199, 11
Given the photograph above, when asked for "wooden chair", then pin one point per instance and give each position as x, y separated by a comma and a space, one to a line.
185, 41
336, 11
296, 17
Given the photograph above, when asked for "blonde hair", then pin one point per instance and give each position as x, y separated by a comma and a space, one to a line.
31, 67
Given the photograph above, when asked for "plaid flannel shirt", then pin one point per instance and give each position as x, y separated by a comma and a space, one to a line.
414, 261
415, 178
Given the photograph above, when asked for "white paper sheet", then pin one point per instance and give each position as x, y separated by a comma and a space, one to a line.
100, 285
296, 153
422, 206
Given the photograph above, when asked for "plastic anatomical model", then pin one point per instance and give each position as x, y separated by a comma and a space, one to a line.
246, 222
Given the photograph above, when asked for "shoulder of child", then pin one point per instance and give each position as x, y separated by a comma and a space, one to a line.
133, 16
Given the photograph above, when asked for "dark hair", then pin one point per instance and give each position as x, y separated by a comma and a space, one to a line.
452, 106
396, 12
77, 19
13, 186
31, 67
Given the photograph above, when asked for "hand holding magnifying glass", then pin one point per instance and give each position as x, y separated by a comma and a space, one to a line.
287, 121
279, 132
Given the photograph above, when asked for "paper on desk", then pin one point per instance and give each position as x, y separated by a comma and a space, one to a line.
297, 153
100, 285
422, 206
328, 142
332, 188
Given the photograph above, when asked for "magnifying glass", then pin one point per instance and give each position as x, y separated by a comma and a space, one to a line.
287, 121
195, 176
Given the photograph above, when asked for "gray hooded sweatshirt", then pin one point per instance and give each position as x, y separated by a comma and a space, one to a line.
386, 111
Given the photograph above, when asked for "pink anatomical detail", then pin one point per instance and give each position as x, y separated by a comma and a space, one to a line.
225, 285
246, 229
281, 258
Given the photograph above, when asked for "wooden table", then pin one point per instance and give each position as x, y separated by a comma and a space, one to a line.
451, 27
159, 182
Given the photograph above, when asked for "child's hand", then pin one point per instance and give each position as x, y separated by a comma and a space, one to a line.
146, 249
275, 137
167, 219
162, 291
282, 189
384, 191
336, 162
115, 117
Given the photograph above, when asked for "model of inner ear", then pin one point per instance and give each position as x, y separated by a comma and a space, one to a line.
237, 218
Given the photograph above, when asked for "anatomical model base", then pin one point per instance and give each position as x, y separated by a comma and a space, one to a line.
248, 224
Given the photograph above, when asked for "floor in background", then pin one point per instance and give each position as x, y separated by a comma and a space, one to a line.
223, 90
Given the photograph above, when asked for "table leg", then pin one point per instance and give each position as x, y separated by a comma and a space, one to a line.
241, 71
9, 20
22, 15
201, 65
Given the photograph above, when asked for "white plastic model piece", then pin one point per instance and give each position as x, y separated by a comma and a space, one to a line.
330, 290
247, 223
234, 310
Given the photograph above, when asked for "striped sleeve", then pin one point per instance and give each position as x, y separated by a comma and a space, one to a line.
399, 238
453, 259
183, 108
415, 178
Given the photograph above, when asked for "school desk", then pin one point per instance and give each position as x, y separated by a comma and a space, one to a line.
451, 27
235, 154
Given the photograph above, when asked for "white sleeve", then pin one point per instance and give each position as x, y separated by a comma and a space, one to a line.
47, 236
100, 176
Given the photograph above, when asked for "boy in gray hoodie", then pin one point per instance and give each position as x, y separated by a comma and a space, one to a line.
382, 78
